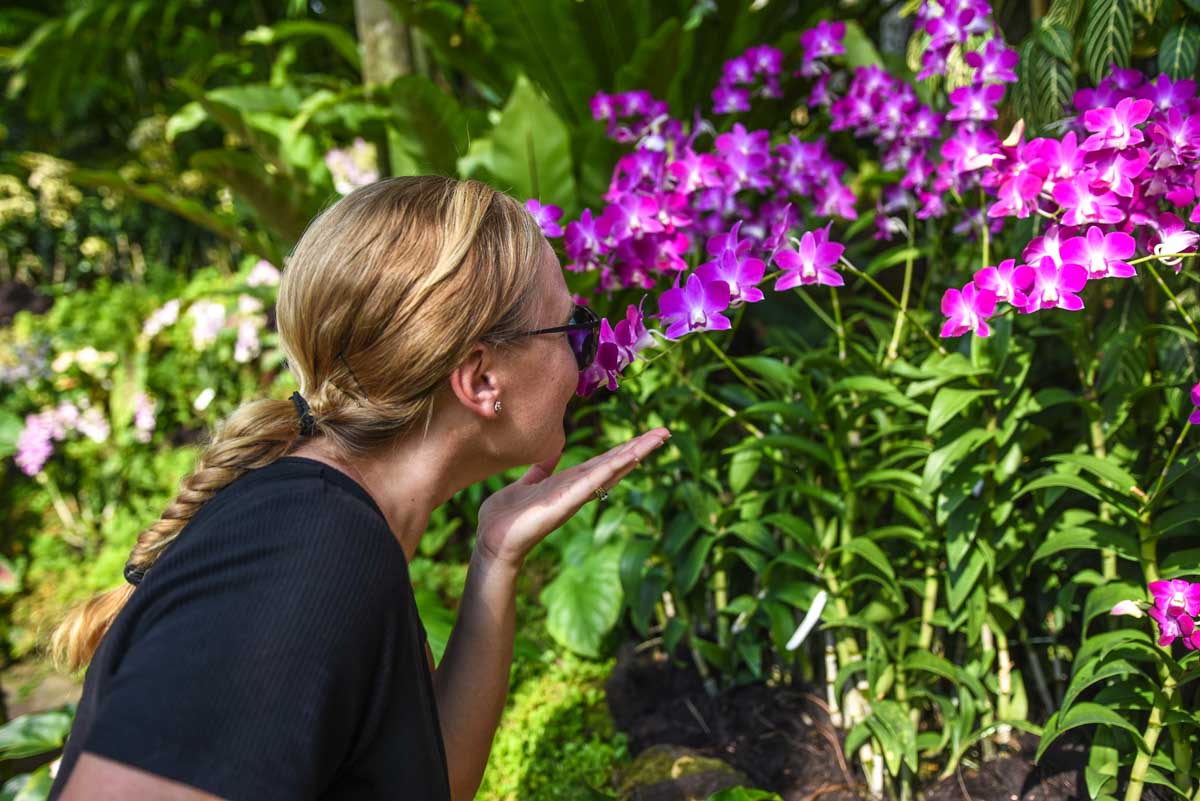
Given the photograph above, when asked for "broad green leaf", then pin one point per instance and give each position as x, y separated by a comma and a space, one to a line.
1053, 84
528, 152
948, 403
1096, 537
36, 733
1096, 672
744, 794
891, 725
543, 37
1178, 52
940, 666
1106, 469
1147, 9
871, 552
584, 601
1065, 13
870, 385
431, 124
1084, 714
1057, 40
771, 369
11, 426
336, 36
742, 468
1107, 36
689, 569
944, 461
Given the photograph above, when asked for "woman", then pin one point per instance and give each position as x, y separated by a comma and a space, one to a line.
272, 648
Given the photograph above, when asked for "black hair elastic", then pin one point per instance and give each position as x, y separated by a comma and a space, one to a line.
133, 574
307, 423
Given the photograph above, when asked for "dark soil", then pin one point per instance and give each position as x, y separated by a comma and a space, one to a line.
782, 739
15, 297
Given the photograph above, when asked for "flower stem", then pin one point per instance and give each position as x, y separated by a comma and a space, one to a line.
733, 368
1174, 300
725, 408
841, 329
892, 299
898, 327
1167, 467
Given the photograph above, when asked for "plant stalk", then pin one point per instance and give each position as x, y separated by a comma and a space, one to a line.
898, 326
1137, 774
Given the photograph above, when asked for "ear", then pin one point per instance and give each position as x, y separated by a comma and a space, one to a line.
474, 381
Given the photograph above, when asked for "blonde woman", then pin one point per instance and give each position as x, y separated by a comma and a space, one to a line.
266, 645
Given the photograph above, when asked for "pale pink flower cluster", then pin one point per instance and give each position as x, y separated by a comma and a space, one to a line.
162, 317
353, 167
144, 408
35, 443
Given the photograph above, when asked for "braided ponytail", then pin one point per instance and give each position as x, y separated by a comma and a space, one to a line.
384, 294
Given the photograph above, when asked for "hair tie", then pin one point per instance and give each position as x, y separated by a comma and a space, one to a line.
134, 575
307, 423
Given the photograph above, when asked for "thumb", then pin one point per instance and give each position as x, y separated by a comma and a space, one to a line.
540, 471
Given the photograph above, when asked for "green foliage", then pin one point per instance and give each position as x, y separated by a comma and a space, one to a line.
556, 739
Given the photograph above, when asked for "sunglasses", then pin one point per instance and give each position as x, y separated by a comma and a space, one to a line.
583, 332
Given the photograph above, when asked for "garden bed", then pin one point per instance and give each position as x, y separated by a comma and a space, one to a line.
781, 738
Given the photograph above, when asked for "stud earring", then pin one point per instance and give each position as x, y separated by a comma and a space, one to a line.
498, 407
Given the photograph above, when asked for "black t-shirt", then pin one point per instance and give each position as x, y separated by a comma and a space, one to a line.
272, 653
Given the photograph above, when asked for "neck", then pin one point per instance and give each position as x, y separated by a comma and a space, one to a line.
412, 478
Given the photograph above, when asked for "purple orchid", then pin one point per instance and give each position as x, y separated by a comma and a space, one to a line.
740, 275
1194, 417
967, 310
1170, 627
810, 263
547, 217
975, 102
583, 242
1115, 127
1055, 286
1102, 255
1172, 237
630, 216
1084, 206
696, 306
993, 64
1007, 280
1176, 597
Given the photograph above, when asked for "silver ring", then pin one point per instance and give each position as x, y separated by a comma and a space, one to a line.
601, 493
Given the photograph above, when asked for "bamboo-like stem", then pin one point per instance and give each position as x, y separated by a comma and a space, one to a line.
893, 350
1004, 667
987, 642
1108, 555
1137, 774
831, 671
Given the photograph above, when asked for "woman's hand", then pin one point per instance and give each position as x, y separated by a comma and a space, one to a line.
519, 516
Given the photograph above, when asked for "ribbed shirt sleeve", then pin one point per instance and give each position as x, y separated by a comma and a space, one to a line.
251, 679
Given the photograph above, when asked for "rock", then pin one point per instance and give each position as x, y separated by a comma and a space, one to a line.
675, 773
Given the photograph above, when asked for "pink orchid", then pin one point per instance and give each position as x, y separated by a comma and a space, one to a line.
1114, 127
967, 310
1055, 286
1101, 254
696, 306
1176, 597
1008, 280
1172, 238
1083, 205
1170, 627
811, 263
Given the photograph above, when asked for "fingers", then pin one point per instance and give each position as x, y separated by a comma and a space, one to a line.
609, 468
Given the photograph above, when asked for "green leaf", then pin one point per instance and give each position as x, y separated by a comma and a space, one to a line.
940, 666
187, 118
1147, 9
742, 468
870, 385
689, 569
948, 403
1096, 537
529, 151
584, 601
744, 794
871, 552
543, 37
893, 728
1178, 52
774, 370
336, 36
1084, 714
11, 426
37, 733
1065, 13
944, 461
1053, 85
1106, 469
1057, 40
430, 122
1107, 36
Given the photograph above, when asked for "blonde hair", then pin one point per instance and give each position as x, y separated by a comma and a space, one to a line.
382, 297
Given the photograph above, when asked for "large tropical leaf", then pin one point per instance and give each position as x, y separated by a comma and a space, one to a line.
1107, 36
